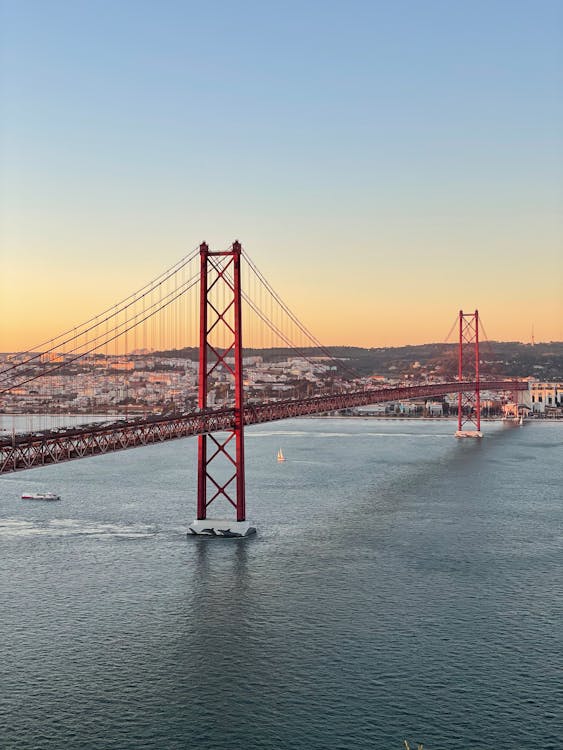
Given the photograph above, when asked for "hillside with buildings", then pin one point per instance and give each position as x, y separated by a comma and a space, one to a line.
164, 382
499, 358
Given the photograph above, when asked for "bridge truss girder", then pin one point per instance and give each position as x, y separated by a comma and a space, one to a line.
22, 453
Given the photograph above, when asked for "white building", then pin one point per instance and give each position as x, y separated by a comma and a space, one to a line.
435, 408
546, 397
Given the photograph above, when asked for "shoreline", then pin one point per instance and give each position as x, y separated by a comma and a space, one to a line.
410, 418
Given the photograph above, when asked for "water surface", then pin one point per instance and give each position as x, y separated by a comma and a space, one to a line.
402, 585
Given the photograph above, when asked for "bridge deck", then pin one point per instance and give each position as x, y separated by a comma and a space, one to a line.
26, 451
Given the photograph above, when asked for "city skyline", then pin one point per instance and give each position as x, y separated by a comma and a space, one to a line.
384, 165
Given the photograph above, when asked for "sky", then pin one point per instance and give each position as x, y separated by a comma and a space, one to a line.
385, 164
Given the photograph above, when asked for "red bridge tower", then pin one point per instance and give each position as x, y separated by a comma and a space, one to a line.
469, 402
221, 455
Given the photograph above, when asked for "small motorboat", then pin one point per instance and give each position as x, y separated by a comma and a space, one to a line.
40, 496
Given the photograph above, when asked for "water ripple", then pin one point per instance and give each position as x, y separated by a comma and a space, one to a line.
401, 588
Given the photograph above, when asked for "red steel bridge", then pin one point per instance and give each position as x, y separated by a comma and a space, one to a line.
218, 310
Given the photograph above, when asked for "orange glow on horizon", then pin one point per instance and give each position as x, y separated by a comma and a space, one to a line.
395, 313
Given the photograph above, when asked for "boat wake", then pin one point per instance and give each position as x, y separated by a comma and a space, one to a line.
60, 527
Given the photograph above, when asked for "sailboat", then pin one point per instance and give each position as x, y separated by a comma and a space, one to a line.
281, 457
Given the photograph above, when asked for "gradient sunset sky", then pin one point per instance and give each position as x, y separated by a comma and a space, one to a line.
384, 163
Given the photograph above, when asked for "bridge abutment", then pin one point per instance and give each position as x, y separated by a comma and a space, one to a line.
221, 527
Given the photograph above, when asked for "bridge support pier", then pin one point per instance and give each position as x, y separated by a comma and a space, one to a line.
221, 527
469, 403
220, 468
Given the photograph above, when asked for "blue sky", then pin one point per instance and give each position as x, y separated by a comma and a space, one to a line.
365, 153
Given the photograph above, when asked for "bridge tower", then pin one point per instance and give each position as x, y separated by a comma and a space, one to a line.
221, 455
469, 402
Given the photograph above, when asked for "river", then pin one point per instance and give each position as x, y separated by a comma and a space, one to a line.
402, 584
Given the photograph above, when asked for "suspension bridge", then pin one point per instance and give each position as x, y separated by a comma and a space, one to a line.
206, 301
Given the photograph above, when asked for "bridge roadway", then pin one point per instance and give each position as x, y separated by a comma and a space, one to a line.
28, 450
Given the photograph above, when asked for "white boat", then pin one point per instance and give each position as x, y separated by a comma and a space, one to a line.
40, 496
281, 457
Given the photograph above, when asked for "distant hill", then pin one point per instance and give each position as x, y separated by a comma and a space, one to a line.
510, 358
